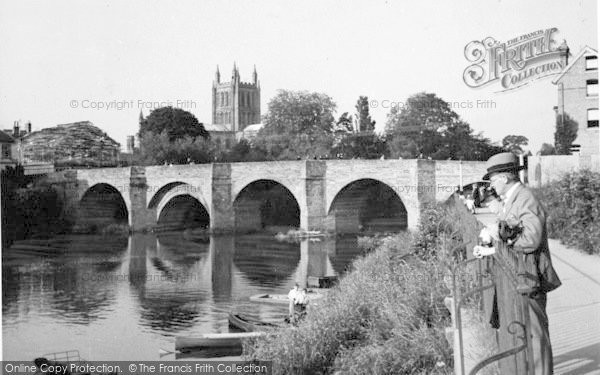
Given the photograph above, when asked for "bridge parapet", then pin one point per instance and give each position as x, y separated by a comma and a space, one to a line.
314, 184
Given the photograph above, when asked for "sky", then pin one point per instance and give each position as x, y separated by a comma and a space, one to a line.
61, 61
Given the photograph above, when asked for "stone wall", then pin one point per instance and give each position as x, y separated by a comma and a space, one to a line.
544, 169
448, 172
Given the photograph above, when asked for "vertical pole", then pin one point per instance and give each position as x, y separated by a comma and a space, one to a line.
521, 169
460, 172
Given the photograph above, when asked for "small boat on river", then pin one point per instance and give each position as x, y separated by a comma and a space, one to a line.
209, 353
249, 324
282, 299
214, 340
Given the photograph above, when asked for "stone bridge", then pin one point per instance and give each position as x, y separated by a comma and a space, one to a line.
337, 195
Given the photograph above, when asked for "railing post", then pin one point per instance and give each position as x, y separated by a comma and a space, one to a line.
512, 307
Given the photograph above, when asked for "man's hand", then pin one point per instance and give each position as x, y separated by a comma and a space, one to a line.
489, 234
482, 251
495, 206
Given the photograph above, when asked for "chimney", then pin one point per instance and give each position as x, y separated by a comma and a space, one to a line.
563, 50
16, 129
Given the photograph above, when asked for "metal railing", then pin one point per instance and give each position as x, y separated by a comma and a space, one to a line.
498, 284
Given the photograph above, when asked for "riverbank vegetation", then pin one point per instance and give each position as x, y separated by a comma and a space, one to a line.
573, 205
29, 211
34, 210
386, 316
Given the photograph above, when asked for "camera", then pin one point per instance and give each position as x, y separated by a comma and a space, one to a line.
508, 232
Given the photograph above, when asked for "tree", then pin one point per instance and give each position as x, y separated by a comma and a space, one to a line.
366, 145
159, 149
547, 149
566, 132
344, 126
298, 124
176, 122
363, 119
427, 127
514, 143
412, 131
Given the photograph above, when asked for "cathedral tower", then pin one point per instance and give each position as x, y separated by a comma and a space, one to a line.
236, 104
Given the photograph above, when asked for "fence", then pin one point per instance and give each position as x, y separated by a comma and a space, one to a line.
495, 286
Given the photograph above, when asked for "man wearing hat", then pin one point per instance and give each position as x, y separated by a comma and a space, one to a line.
522, 208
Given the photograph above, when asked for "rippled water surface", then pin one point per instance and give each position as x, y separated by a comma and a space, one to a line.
120, 299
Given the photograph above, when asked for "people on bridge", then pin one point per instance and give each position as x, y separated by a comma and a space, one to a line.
522, 208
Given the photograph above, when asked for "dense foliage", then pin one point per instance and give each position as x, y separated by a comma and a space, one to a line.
363, 119
29, 211
160, 149
298, 124
514, 143
573, 205
547, 149
427, 127
366, 145
566, 132
176, 122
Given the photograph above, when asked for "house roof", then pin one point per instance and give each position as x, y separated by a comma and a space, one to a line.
587, 50
253, 128
5, 138
217, 128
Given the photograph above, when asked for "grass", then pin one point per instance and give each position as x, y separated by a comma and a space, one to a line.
386, 316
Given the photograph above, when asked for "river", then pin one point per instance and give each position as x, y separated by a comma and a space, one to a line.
115, 298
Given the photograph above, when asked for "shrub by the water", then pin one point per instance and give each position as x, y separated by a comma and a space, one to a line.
573, 205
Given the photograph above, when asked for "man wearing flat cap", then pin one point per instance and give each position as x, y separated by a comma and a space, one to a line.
523, 210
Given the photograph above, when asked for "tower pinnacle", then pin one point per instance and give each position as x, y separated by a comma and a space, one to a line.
234, 72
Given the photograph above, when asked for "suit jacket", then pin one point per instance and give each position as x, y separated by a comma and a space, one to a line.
524, 207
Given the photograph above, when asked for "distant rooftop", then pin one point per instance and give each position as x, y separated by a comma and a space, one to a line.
6, 138
217, 127
253, 128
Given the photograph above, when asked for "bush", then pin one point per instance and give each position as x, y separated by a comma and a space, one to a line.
386, 316
446, 227
573, 205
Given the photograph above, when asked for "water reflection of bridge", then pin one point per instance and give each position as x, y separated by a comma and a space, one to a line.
176, 280
260, 260
168, 284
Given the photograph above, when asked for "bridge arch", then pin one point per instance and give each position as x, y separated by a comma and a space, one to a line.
171, 189
366, 205
265, 203
182, 211
179, 205
102, 204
